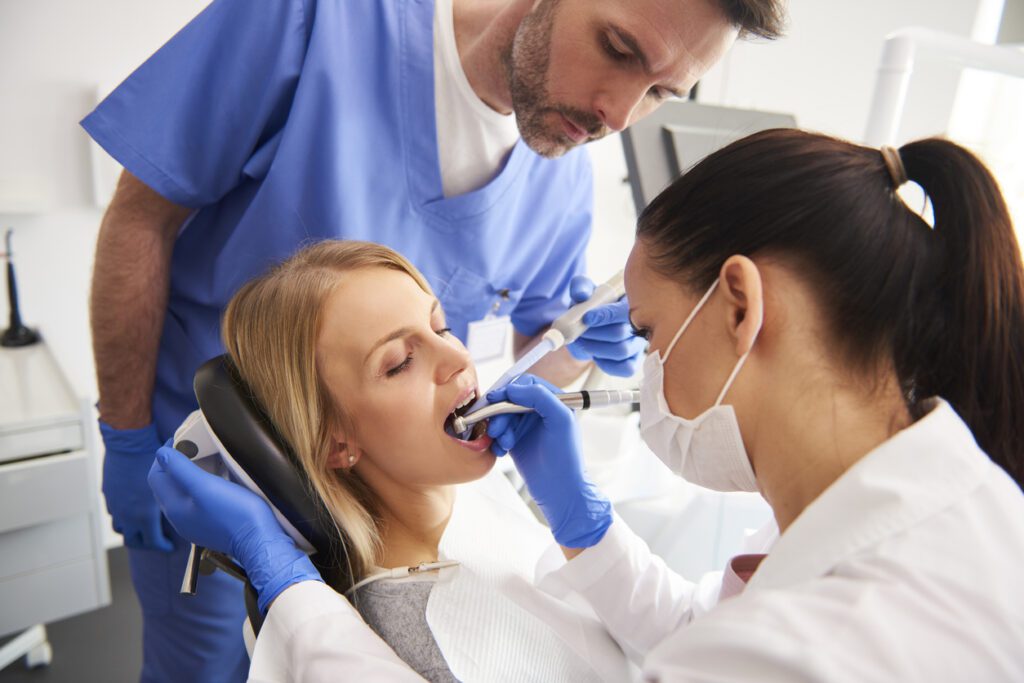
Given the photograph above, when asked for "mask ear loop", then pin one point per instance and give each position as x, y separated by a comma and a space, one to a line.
739, 365
689, 319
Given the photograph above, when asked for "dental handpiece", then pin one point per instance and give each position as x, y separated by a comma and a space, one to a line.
564, 330
577, 400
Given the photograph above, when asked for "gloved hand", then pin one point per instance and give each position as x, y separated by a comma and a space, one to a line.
545, 446
609, 340
217, 514
129, 453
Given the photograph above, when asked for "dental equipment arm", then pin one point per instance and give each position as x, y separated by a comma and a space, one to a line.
565, 329
577, 400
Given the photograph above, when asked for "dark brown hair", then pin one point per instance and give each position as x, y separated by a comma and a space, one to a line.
943, 306
760, 18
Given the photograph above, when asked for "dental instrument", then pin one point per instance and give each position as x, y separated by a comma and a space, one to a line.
577, 400
564, 330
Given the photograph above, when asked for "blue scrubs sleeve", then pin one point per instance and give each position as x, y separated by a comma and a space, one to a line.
547, 295
190, 118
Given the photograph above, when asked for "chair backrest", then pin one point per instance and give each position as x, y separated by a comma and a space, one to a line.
249, 436
678, 135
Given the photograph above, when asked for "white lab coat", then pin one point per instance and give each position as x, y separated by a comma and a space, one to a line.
907, 568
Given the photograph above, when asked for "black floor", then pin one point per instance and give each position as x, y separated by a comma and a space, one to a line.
103, 646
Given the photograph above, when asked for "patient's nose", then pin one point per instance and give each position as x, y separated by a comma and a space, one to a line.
452, 359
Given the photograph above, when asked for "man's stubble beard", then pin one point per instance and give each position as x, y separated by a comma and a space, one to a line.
526, 63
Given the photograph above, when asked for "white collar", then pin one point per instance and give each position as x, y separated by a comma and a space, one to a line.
918, 472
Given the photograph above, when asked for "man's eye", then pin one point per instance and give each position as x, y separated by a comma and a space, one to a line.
614, 52
401, 367
641, 332
443, 331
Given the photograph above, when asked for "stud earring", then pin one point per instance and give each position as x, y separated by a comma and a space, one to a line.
351, 460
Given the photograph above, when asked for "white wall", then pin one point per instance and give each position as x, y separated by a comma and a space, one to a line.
823, 71
54, 54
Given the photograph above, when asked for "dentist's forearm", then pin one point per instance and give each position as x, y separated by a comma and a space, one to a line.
129, 298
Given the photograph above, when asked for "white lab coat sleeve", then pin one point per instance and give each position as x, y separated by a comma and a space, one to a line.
639, 599
314, 635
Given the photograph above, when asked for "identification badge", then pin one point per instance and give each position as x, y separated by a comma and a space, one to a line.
486, 339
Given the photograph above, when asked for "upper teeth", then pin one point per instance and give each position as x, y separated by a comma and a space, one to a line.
466, 402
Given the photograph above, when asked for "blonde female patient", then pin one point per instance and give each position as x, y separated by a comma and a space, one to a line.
345, 347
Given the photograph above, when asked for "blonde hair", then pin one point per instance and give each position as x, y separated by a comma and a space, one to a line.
270, 330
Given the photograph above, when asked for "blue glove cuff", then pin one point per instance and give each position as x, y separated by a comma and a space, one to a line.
270, 584
586, 528
130, 440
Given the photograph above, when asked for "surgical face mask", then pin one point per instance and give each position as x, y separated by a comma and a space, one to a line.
707, 450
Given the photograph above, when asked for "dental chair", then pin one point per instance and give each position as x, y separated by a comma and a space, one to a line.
232, 437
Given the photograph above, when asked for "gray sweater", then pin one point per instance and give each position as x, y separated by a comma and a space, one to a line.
397, 612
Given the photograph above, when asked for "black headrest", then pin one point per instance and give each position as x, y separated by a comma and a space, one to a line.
249, 436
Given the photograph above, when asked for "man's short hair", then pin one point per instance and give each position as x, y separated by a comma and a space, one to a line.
759, 18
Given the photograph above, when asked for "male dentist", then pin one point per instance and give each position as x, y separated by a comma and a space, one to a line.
445, 129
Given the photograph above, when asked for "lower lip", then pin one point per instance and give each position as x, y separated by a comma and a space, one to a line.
478, 445
575, 133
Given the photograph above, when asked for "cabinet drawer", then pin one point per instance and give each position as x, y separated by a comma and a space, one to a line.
43, 489
48, 595
40, 546
56, 437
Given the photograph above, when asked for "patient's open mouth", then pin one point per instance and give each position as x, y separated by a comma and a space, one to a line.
475, 432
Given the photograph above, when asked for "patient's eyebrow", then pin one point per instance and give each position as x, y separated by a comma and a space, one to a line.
397, 334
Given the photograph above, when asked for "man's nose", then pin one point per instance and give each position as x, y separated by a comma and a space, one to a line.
616, 104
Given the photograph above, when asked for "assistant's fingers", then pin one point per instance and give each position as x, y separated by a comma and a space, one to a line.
498, 425
501, 394
614, 351
534, 379
581, 288
615, 332
617, 312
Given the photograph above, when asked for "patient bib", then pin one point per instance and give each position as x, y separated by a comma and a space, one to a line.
489, 620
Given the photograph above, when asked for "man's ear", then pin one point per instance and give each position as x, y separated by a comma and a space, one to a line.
740, 282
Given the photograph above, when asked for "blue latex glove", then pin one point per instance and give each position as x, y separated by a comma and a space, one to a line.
545, 446
609, 340
217, 514
136, 515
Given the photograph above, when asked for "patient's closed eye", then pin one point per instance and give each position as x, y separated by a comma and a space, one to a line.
401, 367
404, 365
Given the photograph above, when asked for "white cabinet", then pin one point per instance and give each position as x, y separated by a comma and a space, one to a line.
52, 561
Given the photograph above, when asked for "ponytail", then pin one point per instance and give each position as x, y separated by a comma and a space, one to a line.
971, 350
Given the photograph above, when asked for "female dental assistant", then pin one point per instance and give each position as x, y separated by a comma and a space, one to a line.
811, 338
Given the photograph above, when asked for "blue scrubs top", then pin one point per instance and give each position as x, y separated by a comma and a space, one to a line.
288, 121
